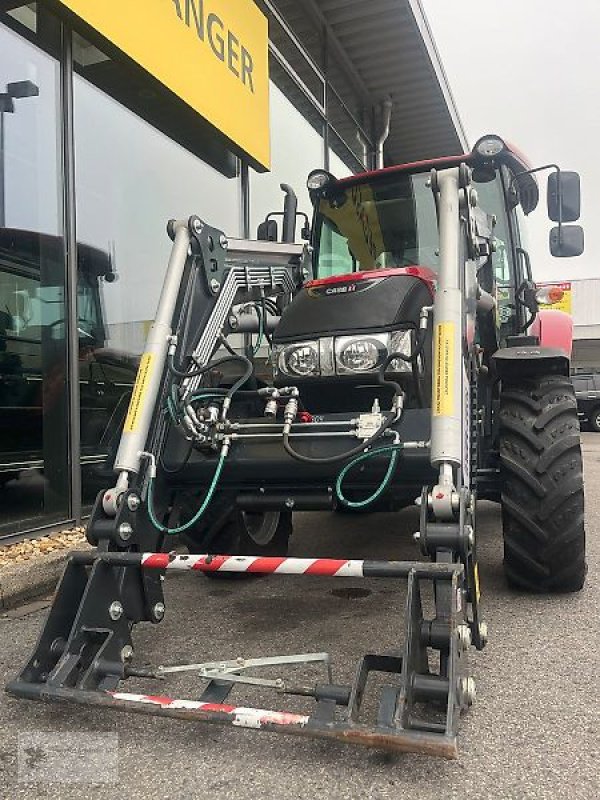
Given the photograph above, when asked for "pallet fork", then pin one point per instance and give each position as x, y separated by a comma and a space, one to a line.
86, 648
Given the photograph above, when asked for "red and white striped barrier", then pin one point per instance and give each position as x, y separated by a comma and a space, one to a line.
327, 567
332, 567
240, 716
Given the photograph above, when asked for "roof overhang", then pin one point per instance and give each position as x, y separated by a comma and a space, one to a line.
384, 48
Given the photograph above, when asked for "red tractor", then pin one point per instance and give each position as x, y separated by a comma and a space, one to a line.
409, 363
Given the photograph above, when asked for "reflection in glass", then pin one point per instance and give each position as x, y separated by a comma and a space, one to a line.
33, 379
130, 180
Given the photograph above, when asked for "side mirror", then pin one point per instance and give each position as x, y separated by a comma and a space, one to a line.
566, 241
268, 231
564, 191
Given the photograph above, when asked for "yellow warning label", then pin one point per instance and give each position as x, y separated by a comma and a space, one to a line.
476, 573
443, 370
139, 391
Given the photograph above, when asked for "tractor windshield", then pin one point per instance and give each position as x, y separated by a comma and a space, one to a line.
393, 223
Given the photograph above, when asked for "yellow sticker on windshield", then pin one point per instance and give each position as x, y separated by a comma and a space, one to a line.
139, 391
357, 219
443, 370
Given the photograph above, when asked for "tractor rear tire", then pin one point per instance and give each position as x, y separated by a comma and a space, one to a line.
246, 533
542, 485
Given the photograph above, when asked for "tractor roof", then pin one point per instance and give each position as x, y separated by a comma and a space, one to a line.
511, 156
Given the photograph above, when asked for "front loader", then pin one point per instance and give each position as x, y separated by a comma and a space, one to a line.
402, 369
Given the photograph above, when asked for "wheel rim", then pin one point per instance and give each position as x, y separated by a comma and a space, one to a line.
261, 527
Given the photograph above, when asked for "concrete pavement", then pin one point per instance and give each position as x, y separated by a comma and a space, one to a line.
533, 734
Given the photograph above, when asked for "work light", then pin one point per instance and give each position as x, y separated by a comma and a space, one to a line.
489, 146
318, 179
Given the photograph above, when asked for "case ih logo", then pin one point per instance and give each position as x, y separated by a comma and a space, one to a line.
325, 290
340, 289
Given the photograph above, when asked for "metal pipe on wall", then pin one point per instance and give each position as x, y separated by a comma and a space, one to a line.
386, 109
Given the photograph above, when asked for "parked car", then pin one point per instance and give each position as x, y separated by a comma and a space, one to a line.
587, 392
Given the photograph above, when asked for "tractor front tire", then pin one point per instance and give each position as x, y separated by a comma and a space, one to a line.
245, 533
542, 485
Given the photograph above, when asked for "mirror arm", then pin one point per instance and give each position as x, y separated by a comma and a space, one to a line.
556, 169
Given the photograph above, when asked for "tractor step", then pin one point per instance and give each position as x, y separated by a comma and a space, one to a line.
85, 651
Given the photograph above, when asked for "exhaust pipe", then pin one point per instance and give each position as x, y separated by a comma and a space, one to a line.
386, 108
290, 212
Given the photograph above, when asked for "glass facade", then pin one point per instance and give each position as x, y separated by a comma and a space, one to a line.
34, 485
109, 176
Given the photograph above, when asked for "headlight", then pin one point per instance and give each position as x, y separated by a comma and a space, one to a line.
343, 355
355, 354
300, 359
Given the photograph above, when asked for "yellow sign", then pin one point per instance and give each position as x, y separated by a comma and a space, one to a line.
213, 54
565, 303
443, 370
139, 391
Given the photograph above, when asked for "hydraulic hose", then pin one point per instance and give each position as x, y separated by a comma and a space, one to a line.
391, 418
196, 373
342, 456
394, 450
205, 503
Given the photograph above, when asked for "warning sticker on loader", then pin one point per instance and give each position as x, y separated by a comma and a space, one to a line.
443, 399
139, 392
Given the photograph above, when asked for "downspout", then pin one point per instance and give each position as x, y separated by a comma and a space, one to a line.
364, 146
386, 109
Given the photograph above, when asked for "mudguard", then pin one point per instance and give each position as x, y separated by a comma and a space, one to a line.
553, 328
513, 362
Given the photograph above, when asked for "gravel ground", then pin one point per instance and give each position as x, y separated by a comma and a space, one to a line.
533, 734
13, 554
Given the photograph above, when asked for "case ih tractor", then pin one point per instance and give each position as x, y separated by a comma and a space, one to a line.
409, 364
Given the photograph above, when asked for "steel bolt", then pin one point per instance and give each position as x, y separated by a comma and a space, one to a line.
466, 691
215, 285
483, 633
289, 503
158, 611
463, 635
417, 536
197, 225
125, 531
133, 502
115, 610
127, 653
224, 241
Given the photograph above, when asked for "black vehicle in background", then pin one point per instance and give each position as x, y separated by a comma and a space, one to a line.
33, 372
587, 392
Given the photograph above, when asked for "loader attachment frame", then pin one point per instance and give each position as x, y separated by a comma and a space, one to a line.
82, 658
86, 648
